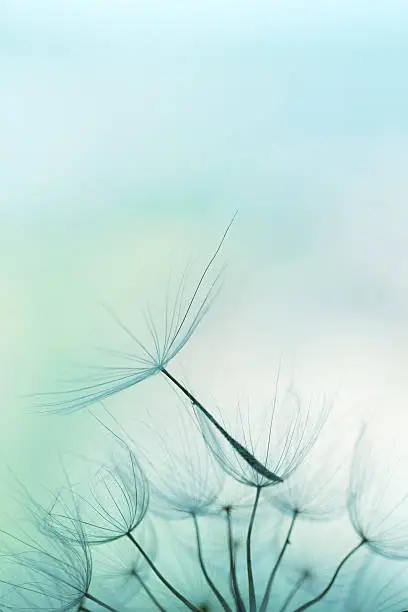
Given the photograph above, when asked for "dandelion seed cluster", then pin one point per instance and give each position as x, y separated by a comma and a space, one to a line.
233, 516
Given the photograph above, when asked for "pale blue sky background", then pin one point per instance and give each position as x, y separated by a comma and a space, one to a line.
129, 134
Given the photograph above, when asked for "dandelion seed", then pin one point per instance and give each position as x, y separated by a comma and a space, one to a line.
55, 576
281, 437
179, 325
113, 505
377, 498
180, 321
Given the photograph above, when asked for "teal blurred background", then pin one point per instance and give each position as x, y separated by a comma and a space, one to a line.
131, 132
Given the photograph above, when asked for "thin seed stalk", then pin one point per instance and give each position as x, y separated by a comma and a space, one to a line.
160, 576
275, 568
319, 597
203, 567
233, 572
251, 586
99, 602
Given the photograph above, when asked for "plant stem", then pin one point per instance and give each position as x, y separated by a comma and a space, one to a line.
204, 569
233, 572
311, 602
251, 587
100, 603
241, 450
160, 575
275, 568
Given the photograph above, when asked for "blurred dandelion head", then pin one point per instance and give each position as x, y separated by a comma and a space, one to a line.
377, 504
188, 480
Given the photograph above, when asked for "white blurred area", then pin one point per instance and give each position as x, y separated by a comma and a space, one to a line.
130, 133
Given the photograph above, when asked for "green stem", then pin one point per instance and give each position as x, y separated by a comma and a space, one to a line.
275, 568
241, 450
319, 597
233, 572
204, 569
100, 603
251, 587
160, 575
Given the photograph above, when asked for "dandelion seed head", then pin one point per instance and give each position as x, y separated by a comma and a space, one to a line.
180, 317
377, 499
112, 503
280, 438
53, 576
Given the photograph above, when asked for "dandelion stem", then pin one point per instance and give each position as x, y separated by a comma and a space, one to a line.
100, 603
292, 593
275, 568
148, 591
233, 572
251, 587
241, 450
160, 575
319, 597
204, 569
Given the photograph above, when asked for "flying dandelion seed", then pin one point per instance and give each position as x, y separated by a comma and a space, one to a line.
179, 325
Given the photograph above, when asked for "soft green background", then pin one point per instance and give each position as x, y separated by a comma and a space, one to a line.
129, 134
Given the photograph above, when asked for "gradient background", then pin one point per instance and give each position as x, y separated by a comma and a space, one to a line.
130, 133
